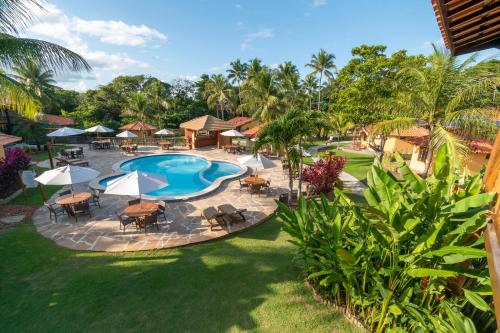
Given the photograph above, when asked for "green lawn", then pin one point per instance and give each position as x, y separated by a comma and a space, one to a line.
38, 156
34, 196
244, 283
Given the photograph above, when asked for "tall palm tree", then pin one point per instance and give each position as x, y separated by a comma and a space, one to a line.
322, 64
237, 74
160, 98
288, 77
310, 86
254, 67
138, 106
15, 16
261, 96
439, 97
217, 93
37, 80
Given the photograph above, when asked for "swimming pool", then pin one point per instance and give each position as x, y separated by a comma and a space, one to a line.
186, 174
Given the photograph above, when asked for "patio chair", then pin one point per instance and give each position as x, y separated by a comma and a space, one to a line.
63, 193
215, 219
147, 220
254, 188
82, 208
234, 214
54, 210
125, 220
95, 198
79, 153
267, 186
134, 202
243, 185
161, 210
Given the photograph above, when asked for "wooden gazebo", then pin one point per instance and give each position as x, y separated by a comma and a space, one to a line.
205, 131
140, 128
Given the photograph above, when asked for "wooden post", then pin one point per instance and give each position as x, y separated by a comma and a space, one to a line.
49, 152
492, 232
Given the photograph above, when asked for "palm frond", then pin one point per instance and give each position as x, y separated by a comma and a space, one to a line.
14, 96
473, 123
472, 91
458, 149
387, 126
16, 15
48, 55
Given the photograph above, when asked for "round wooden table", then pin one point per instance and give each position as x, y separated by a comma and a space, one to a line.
255, 181
73, 199
141, 209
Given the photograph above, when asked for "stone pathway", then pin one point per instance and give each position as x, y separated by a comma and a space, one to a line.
184, 224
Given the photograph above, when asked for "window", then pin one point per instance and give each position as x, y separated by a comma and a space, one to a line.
422, 154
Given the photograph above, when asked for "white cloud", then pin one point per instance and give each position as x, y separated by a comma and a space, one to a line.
188, 77
264, 33
318, 3
219, 68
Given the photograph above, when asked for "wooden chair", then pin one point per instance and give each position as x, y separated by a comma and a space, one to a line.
134, 202
54, 210
243, 185
63, 193
214, 218
125, 220
82, 208
95, 198
147, 220
161, 210
255, 188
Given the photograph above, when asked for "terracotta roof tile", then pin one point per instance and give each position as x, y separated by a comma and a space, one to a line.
410, 132
252, 132
58, 120
137, 126
207, 123
480, 146
6, 139
239, 121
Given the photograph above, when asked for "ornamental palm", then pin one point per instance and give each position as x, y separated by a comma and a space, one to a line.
261, 96
440, 95
138, 106
310, 85
322, 64
37, 80
237, 73
15, 16
217, 93
340, 123
159, 96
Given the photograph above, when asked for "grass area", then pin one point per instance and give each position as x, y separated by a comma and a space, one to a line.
243, 283
34, 196
38, 156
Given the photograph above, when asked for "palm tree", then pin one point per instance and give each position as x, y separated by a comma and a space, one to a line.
310, 86
340, 123
254, 67
322, 64
282, 132
237, 73
138, 106
37, 80
288, 77
261, 96
440, 97
217, 93
158, 94
15, 16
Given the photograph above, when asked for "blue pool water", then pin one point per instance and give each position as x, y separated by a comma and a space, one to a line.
185, 173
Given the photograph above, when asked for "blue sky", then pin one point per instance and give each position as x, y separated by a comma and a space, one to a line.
184, 39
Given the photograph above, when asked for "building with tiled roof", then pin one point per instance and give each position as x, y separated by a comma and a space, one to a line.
56, 120
242, 124
205, 131
140, 128
252, 132
5, 140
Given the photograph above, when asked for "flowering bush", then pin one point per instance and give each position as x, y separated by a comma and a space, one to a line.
324, 173
15, 160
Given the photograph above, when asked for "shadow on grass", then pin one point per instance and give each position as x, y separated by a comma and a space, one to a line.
214, 287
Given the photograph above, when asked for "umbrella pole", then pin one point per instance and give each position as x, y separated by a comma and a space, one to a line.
72, 192
49, 153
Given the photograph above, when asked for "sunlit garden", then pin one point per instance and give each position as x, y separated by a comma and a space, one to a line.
345, 190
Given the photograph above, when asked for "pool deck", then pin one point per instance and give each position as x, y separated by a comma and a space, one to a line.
184, 224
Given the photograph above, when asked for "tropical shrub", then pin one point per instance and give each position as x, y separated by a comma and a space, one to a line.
15, 160
411, 260
324, 173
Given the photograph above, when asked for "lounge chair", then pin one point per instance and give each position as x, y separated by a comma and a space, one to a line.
236, 215
215, 218
74, 161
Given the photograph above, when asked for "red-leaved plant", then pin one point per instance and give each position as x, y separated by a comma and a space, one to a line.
15, 160
324, 173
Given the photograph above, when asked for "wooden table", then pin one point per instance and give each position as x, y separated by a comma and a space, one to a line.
73, 199
255, 181
231, 148
141, 209
165, 144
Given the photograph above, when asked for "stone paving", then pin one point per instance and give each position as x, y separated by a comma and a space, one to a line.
184, 224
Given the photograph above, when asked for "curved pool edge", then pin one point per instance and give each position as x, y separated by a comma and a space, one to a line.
211, 188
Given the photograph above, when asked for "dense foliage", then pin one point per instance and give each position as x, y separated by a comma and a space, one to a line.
412, 260
324, 173
14, 161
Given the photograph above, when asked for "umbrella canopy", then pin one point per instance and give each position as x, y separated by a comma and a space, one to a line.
99, 129
67, 175
164, 132
257, 162
232, 133
66, 131
136, 183
126, 134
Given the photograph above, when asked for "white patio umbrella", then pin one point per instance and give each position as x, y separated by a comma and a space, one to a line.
65, 131
257, 162
232, 133
99, 129
126, 134
67, 175
136, 183
164, 131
